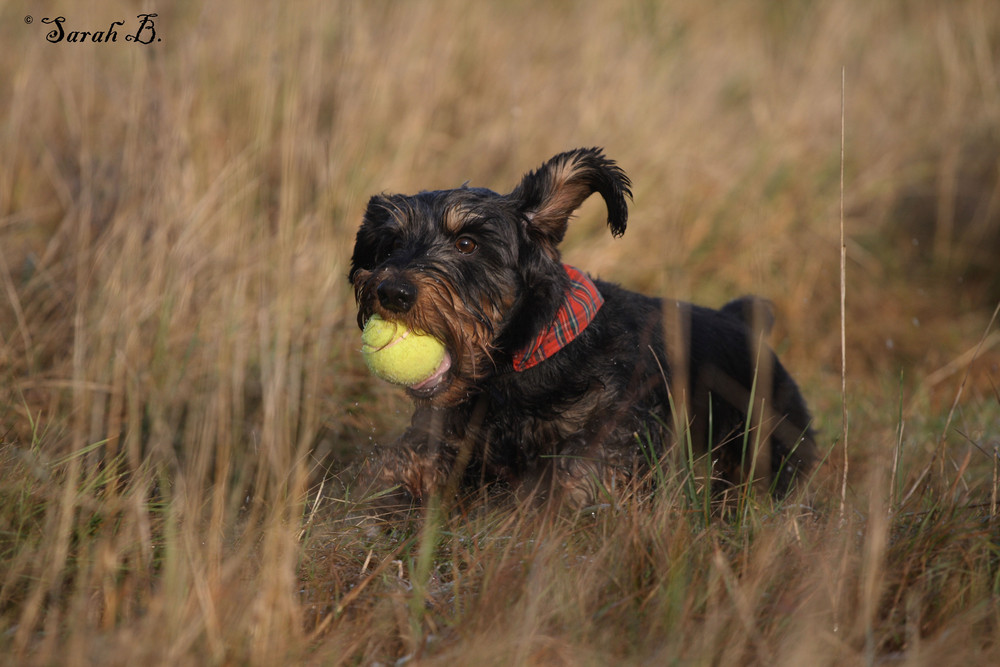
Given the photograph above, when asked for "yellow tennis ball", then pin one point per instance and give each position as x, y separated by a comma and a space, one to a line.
398, 354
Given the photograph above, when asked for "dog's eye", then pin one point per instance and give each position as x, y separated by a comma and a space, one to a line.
465, 245
388, 248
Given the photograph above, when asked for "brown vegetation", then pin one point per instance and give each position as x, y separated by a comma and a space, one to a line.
181, 397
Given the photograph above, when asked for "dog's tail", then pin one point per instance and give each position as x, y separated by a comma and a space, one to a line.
755, 312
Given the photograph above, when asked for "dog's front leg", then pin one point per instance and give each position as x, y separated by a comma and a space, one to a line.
401, 476
587, 473
418, 466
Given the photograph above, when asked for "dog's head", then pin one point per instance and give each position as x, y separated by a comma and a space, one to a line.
479, 270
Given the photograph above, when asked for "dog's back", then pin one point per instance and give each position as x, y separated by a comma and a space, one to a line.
665, 373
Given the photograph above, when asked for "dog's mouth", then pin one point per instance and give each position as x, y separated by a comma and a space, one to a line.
436, 382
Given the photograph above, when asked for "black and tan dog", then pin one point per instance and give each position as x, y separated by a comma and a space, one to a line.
555, 383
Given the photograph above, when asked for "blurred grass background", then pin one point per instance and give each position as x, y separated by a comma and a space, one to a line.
181, 396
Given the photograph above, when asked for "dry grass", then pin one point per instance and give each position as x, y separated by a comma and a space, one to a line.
181, 398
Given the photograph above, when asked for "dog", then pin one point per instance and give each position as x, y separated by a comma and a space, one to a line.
556, 384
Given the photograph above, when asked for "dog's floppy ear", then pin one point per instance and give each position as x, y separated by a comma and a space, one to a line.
375, 237
550, 194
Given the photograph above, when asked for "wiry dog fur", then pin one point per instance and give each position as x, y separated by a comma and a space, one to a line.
482, 272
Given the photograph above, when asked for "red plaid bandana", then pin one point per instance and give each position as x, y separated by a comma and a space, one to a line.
580, 305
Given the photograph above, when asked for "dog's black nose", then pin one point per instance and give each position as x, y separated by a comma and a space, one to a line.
396, 294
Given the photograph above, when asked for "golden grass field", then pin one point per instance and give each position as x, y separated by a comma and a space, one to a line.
182, 402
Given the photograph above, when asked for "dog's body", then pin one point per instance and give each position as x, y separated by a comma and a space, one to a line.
555, 383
